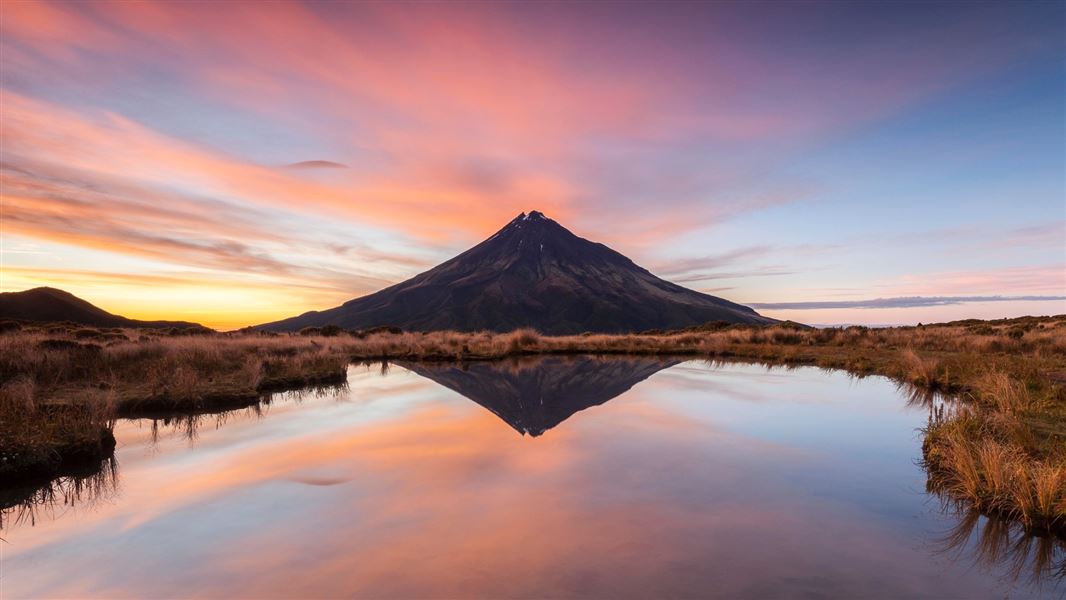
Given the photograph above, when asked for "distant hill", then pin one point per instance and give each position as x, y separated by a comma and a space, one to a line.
532, 273
50, 304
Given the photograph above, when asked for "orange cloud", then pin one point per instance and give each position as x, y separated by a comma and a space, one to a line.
117, 148
460, 87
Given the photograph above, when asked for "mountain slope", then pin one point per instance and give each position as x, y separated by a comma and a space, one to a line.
532, 273
50, 304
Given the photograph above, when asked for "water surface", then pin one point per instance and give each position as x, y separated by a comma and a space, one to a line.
559, 477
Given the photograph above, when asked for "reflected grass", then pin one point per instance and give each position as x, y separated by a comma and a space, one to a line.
1003, 546
32, 502
187, 424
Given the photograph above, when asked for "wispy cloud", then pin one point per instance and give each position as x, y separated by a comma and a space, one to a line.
634, 119
764, 271
901, 302
165, 227
986, 236
1032, 279
315, 164
740, 263
714, 261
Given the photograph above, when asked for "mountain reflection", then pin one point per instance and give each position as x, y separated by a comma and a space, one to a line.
535, 395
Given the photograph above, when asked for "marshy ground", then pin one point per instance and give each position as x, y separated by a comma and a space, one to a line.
1001, 449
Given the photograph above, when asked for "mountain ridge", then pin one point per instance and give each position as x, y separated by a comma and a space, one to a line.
535, 273
48, 304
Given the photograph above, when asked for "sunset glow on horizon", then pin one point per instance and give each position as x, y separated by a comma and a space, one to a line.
237, 163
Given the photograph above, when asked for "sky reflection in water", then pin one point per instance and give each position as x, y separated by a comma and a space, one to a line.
701, 479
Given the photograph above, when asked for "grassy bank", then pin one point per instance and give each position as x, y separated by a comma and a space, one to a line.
1003, 449
61, 388
39, 439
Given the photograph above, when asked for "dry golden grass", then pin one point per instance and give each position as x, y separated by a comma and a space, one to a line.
969, 460
59, 393
180, 371
38, 436
1003, 450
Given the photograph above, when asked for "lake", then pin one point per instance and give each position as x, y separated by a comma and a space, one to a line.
556, 477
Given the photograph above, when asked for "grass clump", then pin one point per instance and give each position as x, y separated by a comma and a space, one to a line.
1004, 451
59, 393
41, 437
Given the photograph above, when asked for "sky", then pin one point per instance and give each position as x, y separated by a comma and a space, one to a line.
827, 162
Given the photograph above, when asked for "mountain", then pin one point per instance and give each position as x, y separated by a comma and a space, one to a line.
50, 304
532, 273
535, 395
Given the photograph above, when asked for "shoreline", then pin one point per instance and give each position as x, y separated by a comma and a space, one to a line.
1004, 452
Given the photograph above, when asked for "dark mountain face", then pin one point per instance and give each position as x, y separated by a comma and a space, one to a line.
535, 395
50, 304
532, 273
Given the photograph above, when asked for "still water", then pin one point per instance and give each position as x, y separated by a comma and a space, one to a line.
559, 477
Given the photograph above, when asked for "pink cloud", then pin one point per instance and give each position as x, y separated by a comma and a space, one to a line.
428, 89
631, 124
1027, 280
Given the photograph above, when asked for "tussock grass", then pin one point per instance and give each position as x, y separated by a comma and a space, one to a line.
59, 394
40, 437
1003, 449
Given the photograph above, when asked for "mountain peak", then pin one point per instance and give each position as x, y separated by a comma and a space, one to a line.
533, 215
533, 272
